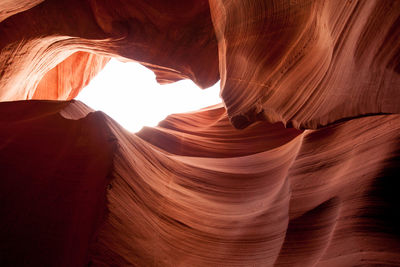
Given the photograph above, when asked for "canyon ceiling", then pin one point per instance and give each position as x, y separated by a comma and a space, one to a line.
299, 166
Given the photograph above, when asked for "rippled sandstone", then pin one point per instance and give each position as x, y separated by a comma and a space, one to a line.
309, 180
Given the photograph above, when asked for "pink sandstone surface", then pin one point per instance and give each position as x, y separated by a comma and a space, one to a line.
298, 166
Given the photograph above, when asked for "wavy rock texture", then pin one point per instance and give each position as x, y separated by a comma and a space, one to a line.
308, 63
319, 197
77, 189
11, 7
175, 40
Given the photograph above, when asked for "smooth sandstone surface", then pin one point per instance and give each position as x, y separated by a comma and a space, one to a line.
311, 179
307, 63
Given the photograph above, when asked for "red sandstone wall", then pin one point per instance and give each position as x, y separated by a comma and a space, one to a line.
77, 189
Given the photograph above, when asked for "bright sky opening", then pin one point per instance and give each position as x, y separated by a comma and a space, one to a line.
130, 94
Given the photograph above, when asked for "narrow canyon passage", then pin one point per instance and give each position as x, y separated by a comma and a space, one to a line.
298, 166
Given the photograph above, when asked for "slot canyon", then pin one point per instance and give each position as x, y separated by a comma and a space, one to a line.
299, 166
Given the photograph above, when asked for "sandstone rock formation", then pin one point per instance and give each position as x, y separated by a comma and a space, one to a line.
311, 179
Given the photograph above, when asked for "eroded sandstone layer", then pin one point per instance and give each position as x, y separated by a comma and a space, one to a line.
310, 180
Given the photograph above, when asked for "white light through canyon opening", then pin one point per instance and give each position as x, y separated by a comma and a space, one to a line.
130, 94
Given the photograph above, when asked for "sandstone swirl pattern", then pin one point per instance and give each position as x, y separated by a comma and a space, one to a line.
310, 180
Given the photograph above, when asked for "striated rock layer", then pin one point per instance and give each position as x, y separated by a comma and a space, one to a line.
174, 39
77, 189
308, 63
323, 197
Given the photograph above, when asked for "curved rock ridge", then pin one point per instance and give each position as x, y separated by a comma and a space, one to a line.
322, 197
310, 180
208, 133
175, 40
304, 63
319, 198
307, 63
11, 7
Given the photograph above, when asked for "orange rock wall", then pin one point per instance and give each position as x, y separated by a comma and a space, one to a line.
307, 63
309, 180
